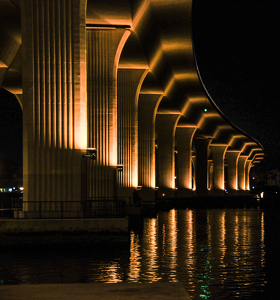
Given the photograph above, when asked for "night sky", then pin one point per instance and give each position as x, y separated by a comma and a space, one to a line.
237, 48
10, 128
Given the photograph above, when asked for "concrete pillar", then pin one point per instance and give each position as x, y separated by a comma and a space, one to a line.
193, 171
201, 166
241, 172
54, 101
147, 106
210, 182
248, 166
129, 83
104, 47
184, 137
165, 131
218, 153
232, 163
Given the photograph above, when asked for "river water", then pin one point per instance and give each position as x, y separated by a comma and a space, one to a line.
215, 253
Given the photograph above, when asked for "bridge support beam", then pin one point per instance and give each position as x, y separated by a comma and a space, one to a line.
104, 47
184, 138
241, 173
147, 106
54, 104
218, 152
201, 165
165, 131
129, 83
232, 163
247, 174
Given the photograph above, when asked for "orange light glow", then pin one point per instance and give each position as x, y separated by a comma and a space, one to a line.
110, 272
152, 246
262, 241
156, 59
221, 128
172, 249
223, 237
141, 13
135, 258
184, 76
3, 65
176, 45
186, 107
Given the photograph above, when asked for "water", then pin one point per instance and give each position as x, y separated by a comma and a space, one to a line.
216, 254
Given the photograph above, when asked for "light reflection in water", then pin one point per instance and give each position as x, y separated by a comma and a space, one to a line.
110, 273
189, 246
208, 251
262, 245
135, 258
150, 257
171, 249
151, 250
205, 275
223, 237
216, 254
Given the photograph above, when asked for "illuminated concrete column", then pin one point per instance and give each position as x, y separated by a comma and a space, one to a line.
147, 106
248, 167
232, 163
241, 172
218, 153
184, 137
165, 132
210, 183
104, 47
54, 100
201, 166
193, 171
129, 84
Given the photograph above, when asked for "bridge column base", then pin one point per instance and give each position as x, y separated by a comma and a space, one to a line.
233, 192
217, 193
166, 193
147, 194
184, 193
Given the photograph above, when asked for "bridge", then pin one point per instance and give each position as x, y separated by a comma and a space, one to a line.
113, 102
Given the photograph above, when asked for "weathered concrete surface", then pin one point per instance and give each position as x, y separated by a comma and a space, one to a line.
95, 291
117, 225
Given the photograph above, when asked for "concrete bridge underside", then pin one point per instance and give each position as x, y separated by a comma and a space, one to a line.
120, 77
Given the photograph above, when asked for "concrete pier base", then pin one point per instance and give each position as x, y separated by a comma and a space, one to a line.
96, 291
16, 226
61, 232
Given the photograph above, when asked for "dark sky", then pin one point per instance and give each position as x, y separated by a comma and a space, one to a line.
10, 128
237, 46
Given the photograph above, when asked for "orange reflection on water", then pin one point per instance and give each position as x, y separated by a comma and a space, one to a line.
110, 273
262, 244
172, 244
236, 253
151, 250
190, 244
246, 235
223, 246
135, 258
203, 249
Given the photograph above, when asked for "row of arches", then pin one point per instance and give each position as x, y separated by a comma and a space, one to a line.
124, 82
